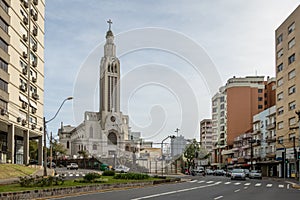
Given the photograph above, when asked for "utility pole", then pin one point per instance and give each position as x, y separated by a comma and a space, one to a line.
51, 149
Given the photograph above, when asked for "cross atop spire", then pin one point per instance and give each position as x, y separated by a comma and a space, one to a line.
109, 24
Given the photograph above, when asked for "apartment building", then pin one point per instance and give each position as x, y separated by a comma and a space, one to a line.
233, 108
288, 84
21, 78
206, 134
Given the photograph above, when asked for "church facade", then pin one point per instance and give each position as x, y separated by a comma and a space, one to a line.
105, 133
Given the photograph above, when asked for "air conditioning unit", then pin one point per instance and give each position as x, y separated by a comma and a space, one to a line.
33, 110
34, 79
24, 54
35, 2
34, 63
25, 38
32, 12
35, 96
3, 111
25, 20
24, 71
33, 126
24, 105
35, 17
23, 88
24, 122
19, 119
35, 31
34, 47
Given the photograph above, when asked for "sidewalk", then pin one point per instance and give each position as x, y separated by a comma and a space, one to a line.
39, 172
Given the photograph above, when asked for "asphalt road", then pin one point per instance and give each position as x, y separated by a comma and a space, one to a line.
205, 188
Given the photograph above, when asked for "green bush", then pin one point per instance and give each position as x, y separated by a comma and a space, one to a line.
91, 176
39, 181
108, 173
132, 176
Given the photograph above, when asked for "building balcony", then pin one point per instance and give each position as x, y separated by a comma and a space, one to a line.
271, 139
271, 155
271, 126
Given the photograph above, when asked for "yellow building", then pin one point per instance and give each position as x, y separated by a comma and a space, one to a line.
21, 78
288, 89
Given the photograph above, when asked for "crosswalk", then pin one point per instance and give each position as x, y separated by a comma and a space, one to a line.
74, 174
267, 185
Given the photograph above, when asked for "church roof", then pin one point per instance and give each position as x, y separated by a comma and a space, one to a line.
109, 33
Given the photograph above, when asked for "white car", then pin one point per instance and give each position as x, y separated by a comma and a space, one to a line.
122, 169
72, 166
238, 174
255, 174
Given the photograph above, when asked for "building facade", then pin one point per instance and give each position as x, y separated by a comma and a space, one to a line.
206, 134
21, 78
288, 84
106, 133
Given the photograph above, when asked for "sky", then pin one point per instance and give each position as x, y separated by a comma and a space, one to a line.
174, 56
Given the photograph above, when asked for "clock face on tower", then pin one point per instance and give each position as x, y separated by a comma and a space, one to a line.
112, 118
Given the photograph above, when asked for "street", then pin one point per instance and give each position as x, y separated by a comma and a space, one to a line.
199, 187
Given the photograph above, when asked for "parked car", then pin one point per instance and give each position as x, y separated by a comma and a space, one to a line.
247, 172
228, 173
219, 172
122, 169
209, 172
72, 166
238, 174
255, 174
53, 165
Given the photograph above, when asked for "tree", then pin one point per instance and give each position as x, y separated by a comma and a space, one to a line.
58, 148
190, 152
84, 154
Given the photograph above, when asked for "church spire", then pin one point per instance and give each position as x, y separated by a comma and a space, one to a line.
109, 48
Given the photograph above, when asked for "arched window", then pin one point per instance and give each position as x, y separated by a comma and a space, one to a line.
108, 67
112, 139
115, 68
127, 148
68, 144
94, 147
91, 132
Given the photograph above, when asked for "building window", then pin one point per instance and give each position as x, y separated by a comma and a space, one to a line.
292, 74
222, 99
91, 132
32, 120
3, 25
292, 59
292, 89
279, 39
280, 125
292, 136
279, 82
222, 106
222, 114
3, 104
214, 110
280, 96
4, 6
280, 67
280, 139
260, 106
68, 144
292, 43
33, 90
3, 45
280, 111
215, 102
260, 90
292, 121
3, 85
292, 105
279, 53
94, 147
260, 98
3, 65
291, 28
112, 139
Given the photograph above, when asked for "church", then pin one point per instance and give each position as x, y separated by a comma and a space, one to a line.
106, 133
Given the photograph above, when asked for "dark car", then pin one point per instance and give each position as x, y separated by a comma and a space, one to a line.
53, 165
219, 172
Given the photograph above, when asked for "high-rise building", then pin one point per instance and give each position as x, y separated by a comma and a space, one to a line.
206, 134
233, 108
21, 78
288, 84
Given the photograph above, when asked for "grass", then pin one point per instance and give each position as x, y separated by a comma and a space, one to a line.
14, 171
68, 183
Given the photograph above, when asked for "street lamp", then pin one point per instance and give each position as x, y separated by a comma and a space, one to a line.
45, 134
162, 153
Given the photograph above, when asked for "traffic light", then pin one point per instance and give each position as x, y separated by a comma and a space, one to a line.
298, 155
286, 161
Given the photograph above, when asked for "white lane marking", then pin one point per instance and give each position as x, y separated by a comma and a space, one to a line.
288, 186
237, 183
219, 197
210, 182
257, 184
245, 188
201, 181
218, 182
193, 181
269, 185
237, 190
281, 186
227, 183
70, 174
173, 192
247, 184
77, 175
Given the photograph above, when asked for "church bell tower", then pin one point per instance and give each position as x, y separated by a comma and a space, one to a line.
109, 77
